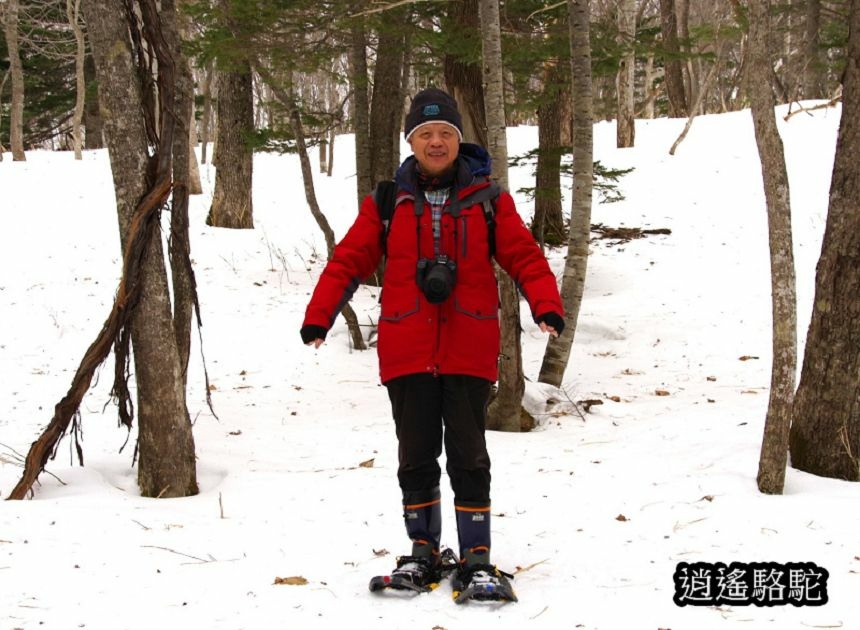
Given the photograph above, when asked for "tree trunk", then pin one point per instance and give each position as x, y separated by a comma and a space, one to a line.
387, 101
16, 114
232, 205
505, 410
206, 117
674, 76
180, 243
386, 110
463, 78
774, 449
2, 85
360, 108
166, 466
548, 224
323, 154
73, 11
557, 353
195, 186
626, 127
682, 12
813, 70
825, 434
185, 92
331, 138
92, 116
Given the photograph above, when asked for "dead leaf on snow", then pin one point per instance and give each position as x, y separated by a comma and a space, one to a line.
614, 398
380, 552
711, 378
367, 463
621, 518
746, 357
749, 391
295, 580
661, 392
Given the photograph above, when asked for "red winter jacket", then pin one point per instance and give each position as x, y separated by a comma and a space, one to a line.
460, 335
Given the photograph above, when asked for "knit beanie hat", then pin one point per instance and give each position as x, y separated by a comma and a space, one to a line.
433, 106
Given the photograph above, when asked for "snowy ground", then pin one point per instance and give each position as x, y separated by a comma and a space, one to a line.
594, 511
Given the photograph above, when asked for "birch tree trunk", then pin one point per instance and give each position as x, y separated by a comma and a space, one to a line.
825, 433
626, 127
774, 448
557, 353
505, 410
73, 11
16, 70
206, 118
195, 186
166, 465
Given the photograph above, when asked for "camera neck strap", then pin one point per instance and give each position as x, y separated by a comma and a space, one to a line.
437, 201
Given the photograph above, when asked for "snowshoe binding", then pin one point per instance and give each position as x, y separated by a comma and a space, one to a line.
482, 582
420, 574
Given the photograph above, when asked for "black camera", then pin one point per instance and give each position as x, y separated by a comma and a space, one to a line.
436, 278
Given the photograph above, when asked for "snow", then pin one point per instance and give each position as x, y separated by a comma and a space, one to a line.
282, 493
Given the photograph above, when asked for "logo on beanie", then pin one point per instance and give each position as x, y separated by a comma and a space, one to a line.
431, 110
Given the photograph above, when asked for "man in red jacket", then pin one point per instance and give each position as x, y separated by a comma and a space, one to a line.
438, 337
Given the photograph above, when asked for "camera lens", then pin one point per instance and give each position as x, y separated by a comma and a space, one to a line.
436, 278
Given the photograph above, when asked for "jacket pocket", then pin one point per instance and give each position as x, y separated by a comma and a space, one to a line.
487, 308
396, 310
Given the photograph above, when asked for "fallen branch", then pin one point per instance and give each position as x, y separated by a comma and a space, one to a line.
625, 234
179, 553
831, 103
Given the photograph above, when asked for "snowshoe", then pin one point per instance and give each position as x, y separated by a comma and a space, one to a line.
418, 574
482, 582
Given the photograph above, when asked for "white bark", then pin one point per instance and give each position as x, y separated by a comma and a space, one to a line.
557, 352
626, 128
505, 410
16, 120
73, 12
774, 449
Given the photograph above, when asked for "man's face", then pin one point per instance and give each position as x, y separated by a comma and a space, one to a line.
435, 146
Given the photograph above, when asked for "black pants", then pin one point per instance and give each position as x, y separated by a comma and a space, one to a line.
422, 404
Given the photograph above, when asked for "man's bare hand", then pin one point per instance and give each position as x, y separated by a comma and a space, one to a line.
548, 329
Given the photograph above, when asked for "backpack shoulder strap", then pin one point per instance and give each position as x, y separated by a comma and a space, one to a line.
487, 197
385, 195
490, 217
